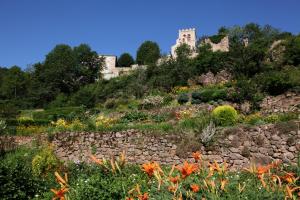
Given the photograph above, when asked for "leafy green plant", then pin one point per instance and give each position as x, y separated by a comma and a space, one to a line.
2, 125
134, 116
16, 176
152, 102
183, 98
44, 162
225, 115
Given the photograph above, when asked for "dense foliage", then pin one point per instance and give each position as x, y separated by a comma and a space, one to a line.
125, 60
116, 179
67, 76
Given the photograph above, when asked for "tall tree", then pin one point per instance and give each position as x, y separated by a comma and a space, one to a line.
148, 53
14, 83
125, 60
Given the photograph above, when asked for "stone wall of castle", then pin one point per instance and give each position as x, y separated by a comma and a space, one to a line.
237, 146
223, 45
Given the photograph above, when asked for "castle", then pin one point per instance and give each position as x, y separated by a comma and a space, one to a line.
185, 36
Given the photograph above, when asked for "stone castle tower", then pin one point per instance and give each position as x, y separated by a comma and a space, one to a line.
185, 36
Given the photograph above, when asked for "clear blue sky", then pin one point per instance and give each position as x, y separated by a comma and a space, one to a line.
29, 29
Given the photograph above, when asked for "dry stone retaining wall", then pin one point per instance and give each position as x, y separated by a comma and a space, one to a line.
238, 146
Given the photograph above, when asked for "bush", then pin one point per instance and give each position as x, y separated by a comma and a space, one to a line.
133, 117
152, 102
275, 83
58, 113
148, 53
85, 96
125, 60
110, 104
225, 115
254, 119
16, 178
210, 94
196, 95
183, 98
2, 125
44, 162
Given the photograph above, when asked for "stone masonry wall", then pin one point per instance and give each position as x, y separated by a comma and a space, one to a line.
238, 146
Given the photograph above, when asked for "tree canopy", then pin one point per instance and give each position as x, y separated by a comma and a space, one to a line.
148, 53
125, 60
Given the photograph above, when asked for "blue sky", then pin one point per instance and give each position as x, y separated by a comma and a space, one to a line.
29, 29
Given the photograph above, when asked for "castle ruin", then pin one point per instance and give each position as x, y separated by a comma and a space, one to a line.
185, 36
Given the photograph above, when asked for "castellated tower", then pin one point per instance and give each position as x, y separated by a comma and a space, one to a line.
185, 36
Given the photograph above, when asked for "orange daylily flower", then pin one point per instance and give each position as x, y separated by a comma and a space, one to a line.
143, 196
60, 180
289, 191
150, 167
289, 177
197, 156
96, 160
223, 183
187, 169
172, 188
174, 179
129, 198
195, 188
263, 169
60, 194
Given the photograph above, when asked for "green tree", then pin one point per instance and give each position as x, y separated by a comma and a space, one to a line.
65, 70
292, 53
89, 64
125, 60
148, 53
14, 83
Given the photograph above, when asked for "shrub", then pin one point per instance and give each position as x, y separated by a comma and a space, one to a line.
273, 118
29, 130
44, 162
196, 101
57, 113
76, 125
225, 115
196, 95
134, 116
16, 178
152, 102
125, 60
110, 104
208, 133
168, 99
210, 94
103, 121
183, 98
275, 83
254, 119
2, 125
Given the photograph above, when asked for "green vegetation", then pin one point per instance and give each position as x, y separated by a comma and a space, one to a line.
115, 179
148, 53
225, 115
66, 92
125, 60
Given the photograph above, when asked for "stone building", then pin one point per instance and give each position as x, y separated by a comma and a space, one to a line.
185, 36
223, 45
189, 37
111, 70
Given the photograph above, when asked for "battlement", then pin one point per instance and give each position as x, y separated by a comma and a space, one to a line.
187, 30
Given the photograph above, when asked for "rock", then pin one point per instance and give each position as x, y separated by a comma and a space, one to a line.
275, 138
288, 155
292, 149
234, 150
